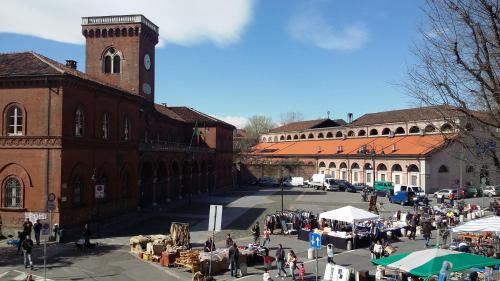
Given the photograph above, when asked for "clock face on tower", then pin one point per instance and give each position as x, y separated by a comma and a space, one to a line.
147, 61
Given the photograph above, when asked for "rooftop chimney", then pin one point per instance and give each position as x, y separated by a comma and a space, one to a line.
71, 64
349, 118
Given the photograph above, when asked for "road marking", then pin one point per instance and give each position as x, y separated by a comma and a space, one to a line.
23, 275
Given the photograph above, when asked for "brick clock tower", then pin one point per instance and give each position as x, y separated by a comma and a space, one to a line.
120, 50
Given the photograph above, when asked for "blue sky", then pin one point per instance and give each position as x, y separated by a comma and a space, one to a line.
256, 57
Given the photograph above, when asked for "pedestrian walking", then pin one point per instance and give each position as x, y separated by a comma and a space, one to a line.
302, 272
21, 235
267, 237
427, 232
413, 231
377, 249
256, 233
329, 253
234, 255
229, 241
86, 233
37, 227
27, 247
27, 226
280, 261
292, 263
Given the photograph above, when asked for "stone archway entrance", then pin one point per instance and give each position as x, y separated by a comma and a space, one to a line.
146, 192
196, 178
161, 184
175, 184
186, 179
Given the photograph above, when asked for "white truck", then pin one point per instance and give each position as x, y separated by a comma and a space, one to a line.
324, 182
418, 190
294, 181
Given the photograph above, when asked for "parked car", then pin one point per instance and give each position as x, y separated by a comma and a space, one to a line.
446, 193
469, 192
346, 186
491, 191
267, 181
360, 186
404, 198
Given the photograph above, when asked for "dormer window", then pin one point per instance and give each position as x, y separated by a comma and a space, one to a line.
112, 61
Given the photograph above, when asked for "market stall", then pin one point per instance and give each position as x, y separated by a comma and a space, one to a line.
429, 262
347, 231
479, 236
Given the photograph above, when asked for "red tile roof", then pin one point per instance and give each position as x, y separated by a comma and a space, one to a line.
168, 112
405, 145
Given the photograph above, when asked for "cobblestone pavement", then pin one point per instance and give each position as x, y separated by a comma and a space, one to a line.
242, 207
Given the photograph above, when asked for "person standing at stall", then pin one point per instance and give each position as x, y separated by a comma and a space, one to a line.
256, 233
267, 237
280, 261
209, 245
329, 253
234, 255
377, 249
229, 241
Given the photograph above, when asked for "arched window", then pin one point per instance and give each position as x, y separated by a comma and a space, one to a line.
320, 136
350, 134
399, 131
12, 194
311, 136
373, 132
15, 121
296, 137
430, 129
343, 165
322, 164
116, 64
368, 166
275, 139
443, 169
79, 122
396, 168
361, 133
381, 167
413, 168
446, 128
386, 131
288, 137
354, 166
329, 135
78, 190
264, 139
105, 126
126, 129
414, 130
338, 134
282, 138
303, 137
112, 61
332, 165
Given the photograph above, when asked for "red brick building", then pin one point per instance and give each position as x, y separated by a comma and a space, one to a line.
64, 131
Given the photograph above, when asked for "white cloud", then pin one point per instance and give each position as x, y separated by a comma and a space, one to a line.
238, 121
184, 22
310, 26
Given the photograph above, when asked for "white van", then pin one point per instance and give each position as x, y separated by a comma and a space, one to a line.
295, 181
324, 182
417, 189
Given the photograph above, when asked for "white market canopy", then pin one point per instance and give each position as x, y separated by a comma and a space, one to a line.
491, 224
348, 214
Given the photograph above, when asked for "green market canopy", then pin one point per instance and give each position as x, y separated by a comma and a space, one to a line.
429, 262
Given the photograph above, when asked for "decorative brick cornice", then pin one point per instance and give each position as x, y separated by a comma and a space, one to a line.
30, 142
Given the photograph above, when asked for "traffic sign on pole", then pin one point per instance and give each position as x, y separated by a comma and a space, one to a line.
315, 240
